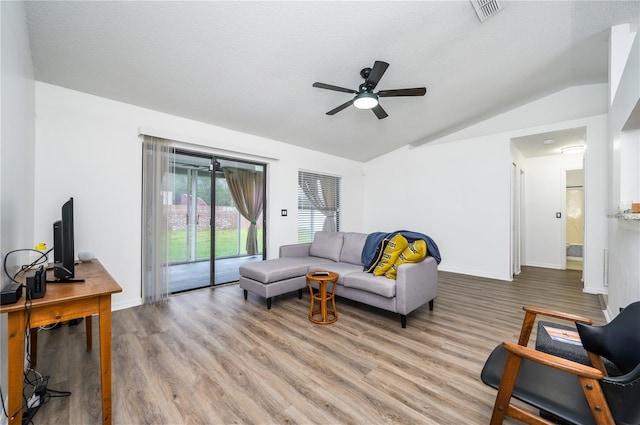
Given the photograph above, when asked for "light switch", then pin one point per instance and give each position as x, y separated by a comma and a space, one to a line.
558, 215
283, 213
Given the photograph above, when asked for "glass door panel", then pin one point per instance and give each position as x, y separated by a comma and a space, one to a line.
190, 223
239, 216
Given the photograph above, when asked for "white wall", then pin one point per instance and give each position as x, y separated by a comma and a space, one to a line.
88, 147
16, 150
624, 235
457, 193
457, 190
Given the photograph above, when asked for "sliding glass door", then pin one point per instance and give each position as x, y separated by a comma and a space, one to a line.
239, 200
215, 219
189, 217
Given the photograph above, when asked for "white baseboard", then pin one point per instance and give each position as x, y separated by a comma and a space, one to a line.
124, 304
478, 273
608, 314
595, 290
545, 265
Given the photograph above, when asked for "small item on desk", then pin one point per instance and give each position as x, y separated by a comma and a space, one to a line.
320, 274
86, 255
11, 293
36, 283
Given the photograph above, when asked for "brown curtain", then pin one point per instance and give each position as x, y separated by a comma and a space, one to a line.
247, 191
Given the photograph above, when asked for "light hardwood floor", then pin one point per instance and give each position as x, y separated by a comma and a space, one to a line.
209, 356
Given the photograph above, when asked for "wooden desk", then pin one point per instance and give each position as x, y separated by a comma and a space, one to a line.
62, 302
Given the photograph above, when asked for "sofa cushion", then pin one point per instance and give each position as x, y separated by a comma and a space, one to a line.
352, 248
341, 268
414, 253
391, 252
327, 245
367, 282
278, 269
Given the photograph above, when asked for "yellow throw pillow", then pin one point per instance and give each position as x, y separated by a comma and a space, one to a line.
392, 251
414, 253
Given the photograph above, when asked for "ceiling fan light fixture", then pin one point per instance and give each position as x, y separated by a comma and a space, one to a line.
365, 100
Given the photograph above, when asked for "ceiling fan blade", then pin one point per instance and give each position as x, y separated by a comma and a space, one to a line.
376, 73
340, 108
380, 113
418, 91
335, 88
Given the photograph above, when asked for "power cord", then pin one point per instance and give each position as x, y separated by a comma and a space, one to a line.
42, 259
4, 408
40, 394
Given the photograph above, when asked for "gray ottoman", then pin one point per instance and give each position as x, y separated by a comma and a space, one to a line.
275, 277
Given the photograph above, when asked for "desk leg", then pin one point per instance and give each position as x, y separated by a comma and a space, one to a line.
87, 329
105, 356
15, 354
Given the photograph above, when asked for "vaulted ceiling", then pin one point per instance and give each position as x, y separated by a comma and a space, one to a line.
249, 65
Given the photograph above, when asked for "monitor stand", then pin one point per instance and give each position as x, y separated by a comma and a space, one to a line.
67, 280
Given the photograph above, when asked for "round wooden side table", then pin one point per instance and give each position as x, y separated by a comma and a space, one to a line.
322, 314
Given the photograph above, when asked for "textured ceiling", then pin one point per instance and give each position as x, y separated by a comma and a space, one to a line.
550, 143
249, 65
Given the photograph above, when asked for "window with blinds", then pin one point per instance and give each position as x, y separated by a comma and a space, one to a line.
318, 204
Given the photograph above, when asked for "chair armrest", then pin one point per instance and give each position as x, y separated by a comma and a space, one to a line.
530, 317
557, 314
589, 381
295, 250
553, 361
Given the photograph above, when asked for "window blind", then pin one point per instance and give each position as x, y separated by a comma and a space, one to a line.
318, 204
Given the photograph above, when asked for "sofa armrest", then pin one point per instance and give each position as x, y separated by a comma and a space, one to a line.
295, 250
416, 284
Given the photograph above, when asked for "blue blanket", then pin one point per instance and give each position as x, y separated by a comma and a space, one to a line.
374, 242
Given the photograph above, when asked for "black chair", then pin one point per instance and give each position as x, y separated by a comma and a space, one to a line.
567, 391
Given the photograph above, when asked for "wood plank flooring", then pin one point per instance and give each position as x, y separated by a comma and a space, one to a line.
210, 357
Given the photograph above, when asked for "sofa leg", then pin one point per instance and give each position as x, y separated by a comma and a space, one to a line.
403, 320
245, 293
431, 305
268, 303
299, 294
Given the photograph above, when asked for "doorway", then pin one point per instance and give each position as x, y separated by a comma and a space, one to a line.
545, 159
215, 219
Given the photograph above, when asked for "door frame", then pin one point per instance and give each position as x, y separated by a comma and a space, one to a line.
517, 218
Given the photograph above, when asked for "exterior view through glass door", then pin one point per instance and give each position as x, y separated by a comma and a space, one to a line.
189, 221
239, 230
235, 202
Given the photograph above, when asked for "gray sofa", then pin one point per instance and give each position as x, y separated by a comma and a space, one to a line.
416, 284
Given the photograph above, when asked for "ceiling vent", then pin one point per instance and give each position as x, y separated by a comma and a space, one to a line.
487, 8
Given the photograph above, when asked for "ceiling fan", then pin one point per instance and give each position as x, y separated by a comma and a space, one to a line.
365, 98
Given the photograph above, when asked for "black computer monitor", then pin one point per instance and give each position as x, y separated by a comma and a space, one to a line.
63, 249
